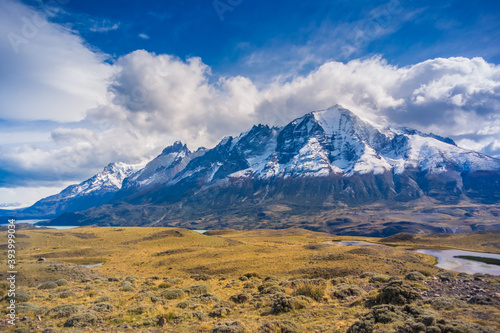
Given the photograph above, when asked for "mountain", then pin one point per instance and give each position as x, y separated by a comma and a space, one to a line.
325, 160
338, 145
95, 191
160, 170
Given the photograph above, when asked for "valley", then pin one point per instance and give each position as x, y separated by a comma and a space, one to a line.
289, 280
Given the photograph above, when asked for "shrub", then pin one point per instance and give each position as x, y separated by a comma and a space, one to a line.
31, 308
63, 294
131, 279
445, 303
251, 275
103, 299
164, 285
22, 296
200, 277
139, 310
191, 315
266, 285
48, 285
240, 298
273, 289
271, 278
397, 293
198, 289
415, 276
81, 320
173, 293
205, 298
228, 327
283, 303
220, 312
21, 330
344, 290
279, 326
64, 310
379, 278
316, 293
302, 282
127, 286
367, 274
251, 284
62, 282
102, 307
483, 300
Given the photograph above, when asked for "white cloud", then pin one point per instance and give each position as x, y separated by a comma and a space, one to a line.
47, 71
102, 25
132, 109
143, 36
26, 196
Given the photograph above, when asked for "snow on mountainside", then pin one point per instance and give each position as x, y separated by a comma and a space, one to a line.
98, 189
108, 180
357, 158
335, 141
173, 159
331, 142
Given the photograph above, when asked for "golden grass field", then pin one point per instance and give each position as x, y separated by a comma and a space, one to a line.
157, 259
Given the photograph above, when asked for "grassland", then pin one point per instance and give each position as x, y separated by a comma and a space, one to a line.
177, 280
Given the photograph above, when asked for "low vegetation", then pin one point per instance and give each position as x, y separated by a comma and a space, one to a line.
263, 281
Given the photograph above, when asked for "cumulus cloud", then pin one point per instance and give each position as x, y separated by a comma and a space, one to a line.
155, 99
130, 110
47, 71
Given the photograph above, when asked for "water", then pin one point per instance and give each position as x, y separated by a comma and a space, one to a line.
93, 265
36, 221
352, 243
26, 221
446, 260
200, 231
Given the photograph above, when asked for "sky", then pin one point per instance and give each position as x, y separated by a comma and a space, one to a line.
86, 83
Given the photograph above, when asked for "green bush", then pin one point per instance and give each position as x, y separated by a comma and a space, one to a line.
228, 327
22, 296
48, 285
64, 310
197, 289
344, 290
415, 276
283, 303
173, 293
279, 326
85, 319
102, 307
316, 293
62, 282
205, 298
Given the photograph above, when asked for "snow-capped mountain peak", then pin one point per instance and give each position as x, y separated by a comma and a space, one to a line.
331, 145
110, 179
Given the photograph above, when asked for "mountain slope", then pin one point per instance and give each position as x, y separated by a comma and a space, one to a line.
325, 159
95, 191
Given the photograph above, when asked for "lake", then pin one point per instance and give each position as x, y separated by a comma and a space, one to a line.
93, 265
36, 221
353, 243
447, 260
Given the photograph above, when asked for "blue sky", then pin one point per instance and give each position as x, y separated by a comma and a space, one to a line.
85, 83
226, 33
